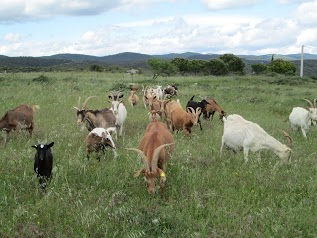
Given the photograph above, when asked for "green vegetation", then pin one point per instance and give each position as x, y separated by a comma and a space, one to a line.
205, 195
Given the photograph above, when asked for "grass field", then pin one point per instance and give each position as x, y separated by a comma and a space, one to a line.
205, 196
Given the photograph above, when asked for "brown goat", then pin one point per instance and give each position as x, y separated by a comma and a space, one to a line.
153, 154
98, 139
19, 118
211, 108
133, 98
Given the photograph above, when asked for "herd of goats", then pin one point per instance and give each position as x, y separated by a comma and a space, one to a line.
157, 143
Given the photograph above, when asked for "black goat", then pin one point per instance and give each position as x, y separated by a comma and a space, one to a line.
43, 163
202, 104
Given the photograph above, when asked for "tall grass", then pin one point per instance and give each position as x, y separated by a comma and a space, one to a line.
205, 196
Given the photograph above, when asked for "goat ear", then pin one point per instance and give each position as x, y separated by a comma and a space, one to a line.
77, 108
110, 101
50, 145
34, 146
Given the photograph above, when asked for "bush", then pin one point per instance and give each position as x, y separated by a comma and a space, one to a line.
282, 67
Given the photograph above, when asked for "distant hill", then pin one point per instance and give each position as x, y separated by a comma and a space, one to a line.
130, 59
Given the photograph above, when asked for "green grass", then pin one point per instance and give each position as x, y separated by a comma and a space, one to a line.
205, 196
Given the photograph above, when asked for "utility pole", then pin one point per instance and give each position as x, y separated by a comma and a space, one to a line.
302, 62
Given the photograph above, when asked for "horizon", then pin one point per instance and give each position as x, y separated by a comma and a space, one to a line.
154, 27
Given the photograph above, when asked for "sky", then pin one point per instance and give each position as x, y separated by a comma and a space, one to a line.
107, 27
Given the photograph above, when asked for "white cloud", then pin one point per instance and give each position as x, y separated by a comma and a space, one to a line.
12, 37
306, 13
227, 4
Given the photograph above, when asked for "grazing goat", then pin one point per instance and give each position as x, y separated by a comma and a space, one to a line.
98, 139
185, 120
211, 108
43, 163
302, 118
120, 112
153, 153
133, 99
94, 118
19, 118
202, 104
239, 134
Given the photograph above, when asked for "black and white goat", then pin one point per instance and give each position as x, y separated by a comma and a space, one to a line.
193, 104
43, 163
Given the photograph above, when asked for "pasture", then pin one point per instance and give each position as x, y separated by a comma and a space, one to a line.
205, 195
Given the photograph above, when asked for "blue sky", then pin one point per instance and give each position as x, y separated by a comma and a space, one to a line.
102, 27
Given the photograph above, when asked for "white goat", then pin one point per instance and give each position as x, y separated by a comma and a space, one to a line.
302, 118
240, 134
120, 112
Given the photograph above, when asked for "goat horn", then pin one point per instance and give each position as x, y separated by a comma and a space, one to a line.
143, 156
78, 102
191, 110
289, 139
156, 154
310, 103
87, 99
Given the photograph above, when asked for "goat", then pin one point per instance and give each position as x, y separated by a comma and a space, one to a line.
133, 99
239, 134
167, 107
170, 90
43, 163
147, 93
302, 118
19, 118
98, 139
202, 104
153, 153
211, 108
120, 112
94, 118
185, 120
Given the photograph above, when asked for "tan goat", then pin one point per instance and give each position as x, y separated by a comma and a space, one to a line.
133, 99
154, 154
185, 120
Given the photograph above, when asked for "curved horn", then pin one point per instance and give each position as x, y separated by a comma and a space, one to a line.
289, 139
156, 154
87, 99
78, 104
191, 110
198, 110
111, 96
310, 103
120, 94
143, 156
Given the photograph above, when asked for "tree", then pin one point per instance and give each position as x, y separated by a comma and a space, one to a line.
235, 64
216, 67
181, 64
162, 67
196, 66
95, 68
282, 67
258, 68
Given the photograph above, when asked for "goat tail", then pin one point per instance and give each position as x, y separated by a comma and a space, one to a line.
35, 107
